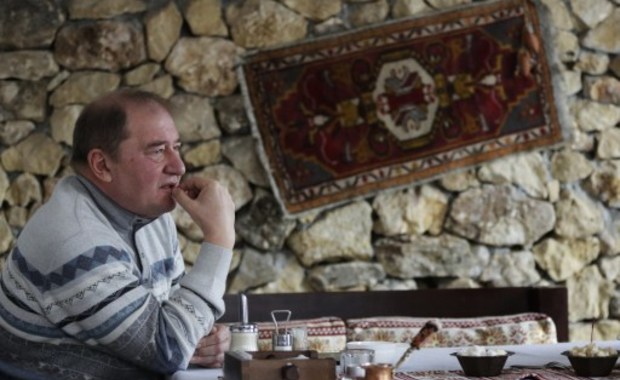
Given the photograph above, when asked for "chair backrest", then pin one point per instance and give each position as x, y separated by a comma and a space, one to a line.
432, 303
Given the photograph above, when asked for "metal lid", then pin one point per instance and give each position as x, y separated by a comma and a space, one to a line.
244, 328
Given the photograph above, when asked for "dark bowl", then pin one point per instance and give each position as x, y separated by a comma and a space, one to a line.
591, 365
482, 365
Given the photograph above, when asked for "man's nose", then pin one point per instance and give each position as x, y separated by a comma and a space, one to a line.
175, 163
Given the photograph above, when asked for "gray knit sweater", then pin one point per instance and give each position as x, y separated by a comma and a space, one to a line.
92, 291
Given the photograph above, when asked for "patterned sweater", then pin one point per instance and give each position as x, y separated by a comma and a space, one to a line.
92, 291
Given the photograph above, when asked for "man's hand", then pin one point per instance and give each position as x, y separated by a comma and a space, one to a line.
211, 207
210, 349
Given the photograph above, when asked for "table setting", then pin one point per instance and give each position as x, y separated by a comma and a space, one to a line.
529, 361
412, 360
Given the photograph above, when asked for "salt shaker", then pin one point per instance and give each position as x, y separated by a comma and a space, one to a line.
244, 336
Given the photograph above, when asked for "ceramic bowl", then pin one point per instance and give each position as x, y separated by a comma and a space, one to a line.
591, 366
482, 365
385, 352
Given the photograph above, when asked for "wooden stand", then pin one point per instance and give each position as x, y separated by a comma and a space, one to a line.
275, 365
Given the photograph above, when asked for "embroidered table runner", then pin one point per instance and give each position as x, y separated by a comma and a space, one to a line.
507, 374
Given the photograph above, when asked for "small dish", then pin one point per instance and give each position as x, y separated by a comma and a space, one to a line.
482, 365
592, 366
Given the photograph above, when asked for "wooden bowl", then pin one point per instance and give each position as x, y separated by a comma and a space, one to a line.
594, 366
482, 365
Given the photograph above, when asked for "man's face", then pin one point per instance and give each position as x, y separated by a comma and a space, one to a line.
148, 165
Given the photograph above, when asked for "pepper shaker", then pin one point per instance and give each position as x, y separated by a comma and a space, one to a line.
282, 340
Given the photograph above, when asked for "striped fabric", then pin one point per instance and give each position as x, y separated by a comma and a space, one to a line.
94, 292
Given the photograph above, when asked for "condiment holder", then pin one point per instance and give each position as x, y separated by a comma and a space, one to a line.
282, 339
282, 362
270, 365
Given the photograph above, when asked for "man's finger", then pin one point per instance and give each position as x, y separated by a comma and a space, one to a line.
181, 197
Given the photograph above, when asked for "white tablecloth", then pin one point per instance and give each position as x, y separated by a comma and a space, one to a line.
429, 359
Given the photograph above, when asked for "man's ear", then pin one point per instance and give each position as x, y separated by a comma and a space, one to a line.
98, 164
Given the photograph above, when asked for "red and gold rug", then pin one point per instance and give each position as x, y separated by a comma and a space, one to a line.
348, 115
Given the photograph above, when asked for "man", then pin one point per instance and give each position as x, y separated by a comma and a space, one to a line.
95, 287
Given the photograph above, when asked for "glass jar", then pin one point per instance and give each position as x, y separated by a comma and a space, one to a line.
244, 337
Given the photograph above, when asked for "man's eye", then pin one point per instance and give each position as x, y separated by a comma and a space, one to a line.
157, 152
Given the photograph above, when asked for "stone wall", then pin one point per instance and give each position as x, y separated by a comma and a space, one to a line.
540, 218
